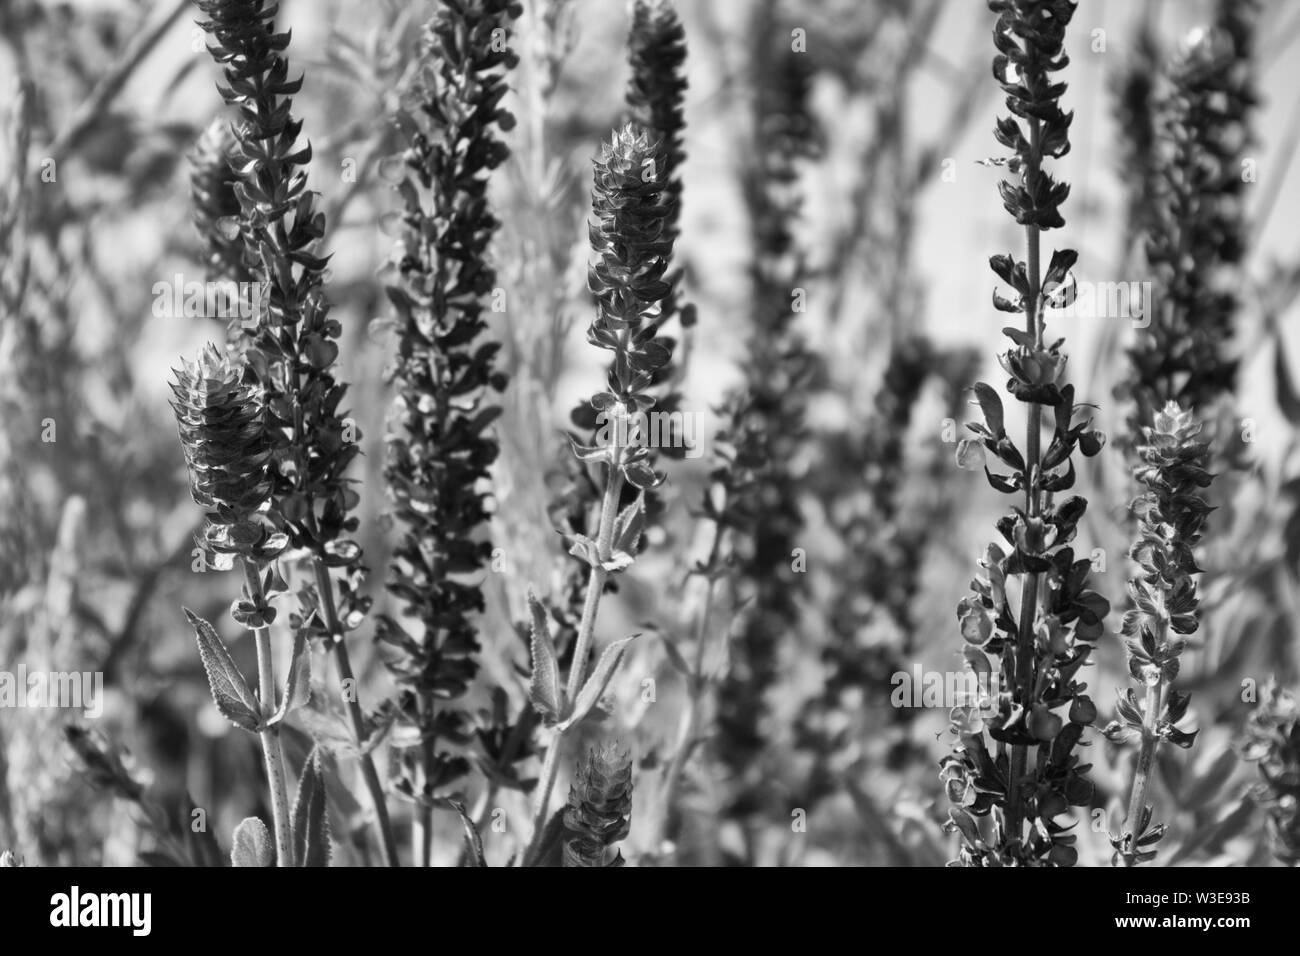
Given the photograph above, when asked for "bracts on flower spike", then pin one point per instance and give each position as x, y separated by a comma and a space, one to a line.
441, 447
1171, 515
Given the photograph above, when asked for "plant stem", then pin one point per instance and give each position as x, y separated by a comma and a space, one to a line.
1152, 706
422, 835
596, 582
691, 719
586, 632
344, 664
272, 751
1146, 759
1029, 595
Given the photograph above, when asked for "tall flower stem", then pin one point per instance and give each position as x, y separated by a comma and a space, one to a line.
1171, 516
272, 749
1029, 597
1040, 713
690, 725
586, 632
1146, 757
355, 715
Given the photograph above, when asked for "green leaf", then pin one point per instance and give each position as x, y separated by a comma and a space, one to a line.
311, 829
642, 475
473, 841
595, 686
1288, 400
547, 846
230, 692
297, 686
675, 656
991, 405
618, 561
629, 525
544, 688
583, 547
252, 844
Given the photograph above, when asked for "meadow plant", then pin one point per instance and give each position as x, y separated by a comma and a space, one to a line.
1171, 515
441, 448
1194, 213
294, 347
1042, 640
764, 420
626, 277
1272, 741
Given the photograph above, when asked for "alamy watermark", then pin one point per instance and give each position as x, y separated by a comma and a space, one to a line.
68, 690
1126, 299
219, 299
650, 429
945, 689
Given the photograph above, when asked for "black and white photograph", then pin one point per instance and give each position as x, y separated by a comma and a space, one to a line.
651, 433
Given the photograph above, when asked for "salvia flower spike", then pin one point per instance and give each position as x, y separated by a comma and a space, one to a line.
221, 417
764, 428
1272, 740
293, 350
1171, 515
442, 448
656, 97
1202, 122
216, 207
626, 276
599, 811
1037, 711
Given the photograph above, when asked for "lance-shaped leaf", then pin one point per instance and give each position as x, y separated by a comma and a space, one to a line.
473, 841
297, 686
548, 845
991, 405
629, 525
311, 829
595, 686
582, 547
544, 687
252, 845
230, 692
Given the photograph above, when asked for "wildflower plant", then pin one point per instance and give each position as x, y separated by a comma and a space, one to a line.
222, 421
1272, 741
655, 99
441, 449
1195, 214
764, 427
293, 350
1171, 515
1015, 757
656, 94
216, 207
626, 277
